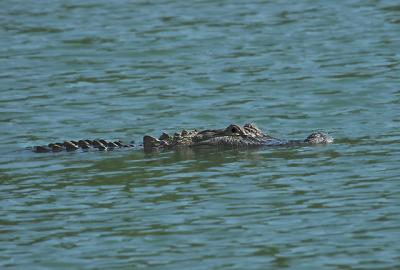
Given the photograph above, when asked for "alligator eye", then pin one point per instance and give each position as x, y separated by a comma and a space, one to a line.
234, 130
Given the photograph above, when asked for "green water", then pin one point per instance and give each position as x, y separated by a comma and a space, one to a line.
123, 69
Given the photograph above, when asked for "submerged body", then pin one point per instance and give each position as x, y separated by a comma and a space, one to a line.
233, 136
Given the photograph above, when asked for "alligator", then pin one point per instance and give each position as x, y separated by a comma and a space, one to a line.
233, 136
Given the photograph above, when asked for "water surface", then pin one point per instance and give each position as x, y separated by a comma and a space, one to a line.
122, 69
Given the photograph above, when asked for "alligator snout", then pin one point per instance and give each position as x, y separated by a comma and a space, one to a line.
318, 138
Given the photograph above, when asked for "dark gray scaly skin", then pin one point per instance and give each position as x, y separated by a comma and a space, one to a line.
101, 145
233, 136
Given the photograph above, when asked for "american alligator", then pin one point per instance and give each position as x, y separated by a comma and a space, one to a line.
233, 136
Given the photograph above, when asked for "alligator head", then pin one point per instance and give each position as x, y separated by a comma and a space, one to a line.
232, 136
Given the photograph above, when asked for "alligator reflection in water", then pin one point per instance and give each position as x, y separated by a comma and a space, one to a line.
233, 136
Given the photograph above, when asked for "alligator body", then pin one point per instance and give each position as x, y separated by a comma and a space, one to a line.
233, 136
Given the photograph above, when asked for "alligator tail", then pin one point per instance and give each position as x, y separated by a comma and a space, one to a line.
101, 145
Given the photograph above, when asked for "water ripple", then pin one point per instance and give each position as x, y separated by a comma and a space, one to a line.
123, 69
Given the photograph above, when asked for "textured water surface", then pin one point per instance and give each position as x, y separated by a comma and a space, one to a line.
122, 69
